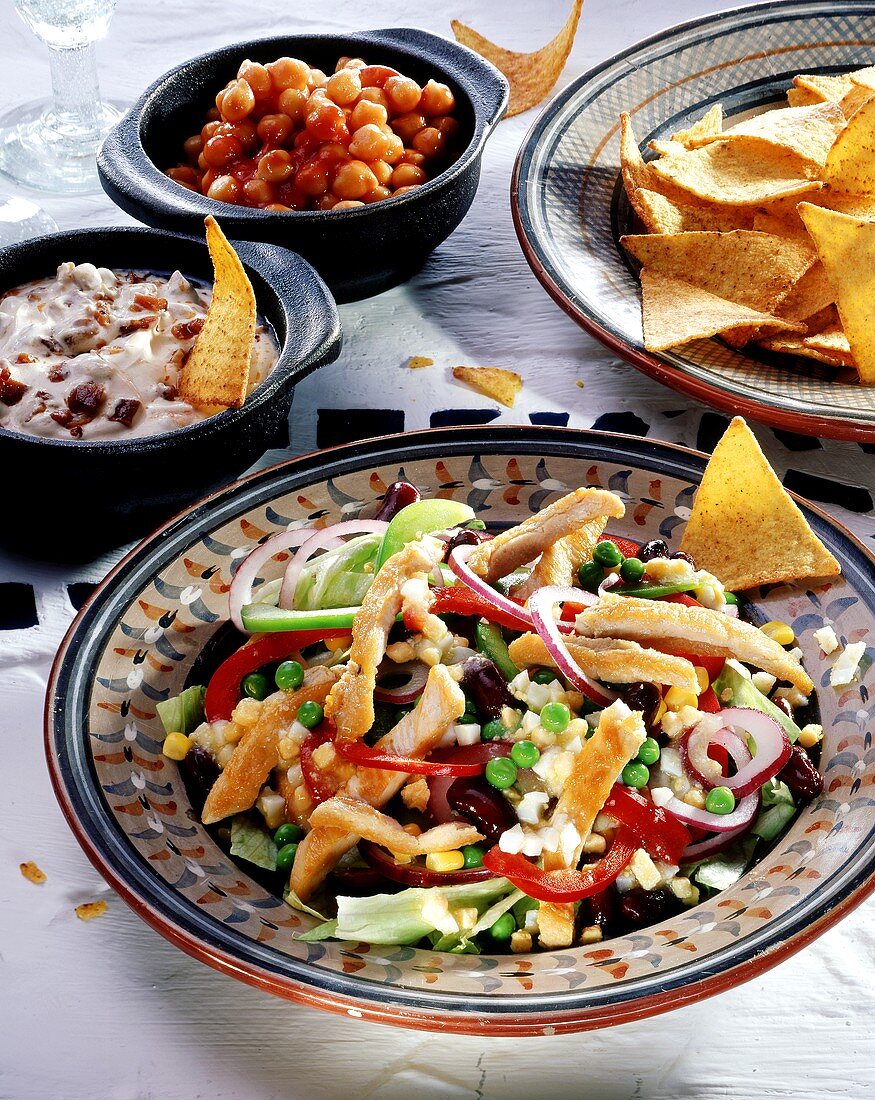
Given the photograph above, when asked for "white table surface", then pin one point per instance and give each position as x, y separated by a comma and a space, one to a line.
111, 1010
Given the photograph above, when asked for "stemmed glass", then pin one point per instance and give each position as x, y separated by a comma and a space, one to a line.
52, 144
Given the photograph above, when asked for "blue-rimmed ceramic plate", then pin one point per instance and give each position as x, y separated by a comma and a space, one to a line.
570, 208
136, 641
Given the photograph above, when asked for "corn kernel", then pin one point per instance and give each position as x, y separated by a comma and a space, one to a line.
676, 697
176, 746
232, 733
288, 748
591, 934
702, 677
247, 712
660, 712
779, 632
521, 942
413, 829
301, 803
594, 844
323, 755
445, 861
401, 857
810, 735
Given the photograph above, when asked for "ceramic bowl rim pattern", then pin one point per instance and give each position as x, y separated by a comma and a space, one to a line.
280, 268
155, 901
591, 314
123, 147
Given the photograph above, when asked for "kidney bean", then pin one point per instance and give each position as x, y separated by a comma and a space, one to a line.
199, 772
478, 802
801, 776
465, 537
603, 908
646, 698
656, 548
642, 907
396, 497
679, 554
486, 686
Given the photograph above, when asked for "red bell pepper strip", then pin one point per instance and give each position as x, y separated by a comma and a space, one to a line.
708, 702
224, 691
681, 597
459, 600
319, 786
658, 832
469, 760
712, 665
627, 547
565, 885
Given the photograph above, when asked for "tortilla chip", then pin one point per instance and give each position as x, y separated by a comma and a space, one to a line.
709, 126
850, 166
854, 100
90, 909
805, 132
794, 344
781, 223
417, 362
846, 246
639, 176
757, 270
802, 97
744, 527
32, 873
501, 385
531, 75
663, 215
676, 312
809, 297
746, 171
824, 89
217, 370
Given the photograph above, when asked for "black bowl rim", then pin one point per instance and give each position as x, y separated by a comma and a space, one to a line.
271, 262
520, 1014
154, 190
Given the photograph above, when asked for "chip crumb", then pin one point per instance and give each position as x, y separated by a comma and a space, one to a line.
580, 384
417, 362
495, 382
90, 910
32, 873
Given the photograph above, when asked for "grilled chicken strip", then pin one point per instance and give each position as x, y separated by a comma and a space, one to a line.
351, 702
523, 543
256, 754
354, 815
560, 562
418, 732
697, 629
616, 740
616, 661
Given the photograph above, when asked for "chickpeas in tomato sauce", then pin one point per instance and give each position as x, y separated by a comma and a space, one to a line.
285, 136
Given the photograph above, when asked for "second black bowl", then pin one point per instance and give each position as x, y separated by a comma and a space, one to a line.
358, 252
69, 499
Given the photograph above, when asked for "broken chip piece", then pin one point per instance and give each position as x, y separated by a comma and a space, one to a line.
501, 385
32, 873
89, 910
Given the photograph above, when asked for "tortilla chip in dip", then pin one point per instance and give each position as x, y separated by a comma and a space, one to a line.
744, 526
217, 370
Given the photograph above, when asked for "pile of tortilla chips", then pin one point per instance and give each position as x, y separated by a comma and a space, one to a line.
763, 232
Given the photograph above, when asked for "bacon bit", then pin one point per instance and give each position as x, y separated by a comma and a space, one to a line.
52, 345
125, 411
58, 372
102, 313
168, 391
11, 390
32, 873
185, 330
86, 399
135, 323
23, 357
89, 910
148, 301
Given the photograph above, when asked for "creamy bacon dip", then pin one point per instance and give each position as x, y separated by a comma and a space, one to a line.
96, 354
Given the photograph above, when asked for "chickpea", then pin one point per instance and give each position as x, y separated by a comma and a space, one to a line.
325, 120
257, 192
447, 125
185, 175
238, 102
277, 206
396, 149
213, 115
437, 99
288, 73
207, 179
408, 126
274, 129
332, 153
410, 156
312, 178
344, 87
354, 63
317, 79
327, 202
257, 77
246, 133
368, 113
377, 195
430, 142
292, 102
407, 175
353, 180
346, 204
382, 171
403, 93
210, 130
375, 95
369, 143
406, 190
274, 166
225, 189
193, 147
222, 151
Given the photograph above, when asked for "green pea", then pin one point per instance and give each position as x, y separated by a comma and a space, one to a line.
649, 752
473, 854
287, 834
720, 801
501, 772
504, 927
635, 774
607, 554
632, 570
731, 597
525, 754
289, 676
285, 857
555, 717
492, 731
544, 675
310, 714
476, 525
255, 685
590, 575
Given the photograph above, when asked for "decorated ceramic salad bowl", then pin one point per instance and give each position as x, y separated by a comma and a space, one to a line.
159, 625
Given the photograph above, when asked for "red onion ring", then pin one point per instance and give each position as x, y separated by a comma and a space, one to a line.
457, 562
404, 693
731, 609
327, 539
413, 874
773, 748
240, 593
711, 845
541, 607
694, 752
740, 817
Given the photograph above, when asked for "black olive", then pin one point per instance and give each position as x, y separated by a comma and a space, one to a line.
656, 548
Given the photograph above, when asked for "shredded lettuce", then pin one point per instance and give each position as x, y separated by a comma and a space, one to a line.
720, 871
779, 807
184, 712
325, 931
735, 690
338, 578
252, 842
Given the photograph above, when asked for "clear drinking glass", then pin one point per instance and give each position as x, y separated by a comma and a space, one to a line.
52, 144
21, 219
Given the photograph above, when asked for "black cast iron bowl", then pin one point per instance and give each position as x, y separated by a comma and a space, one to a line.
358, 252
69, 499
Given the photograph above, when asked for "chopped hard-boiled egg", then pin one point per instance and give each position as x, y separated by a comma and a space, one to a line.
845, 667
